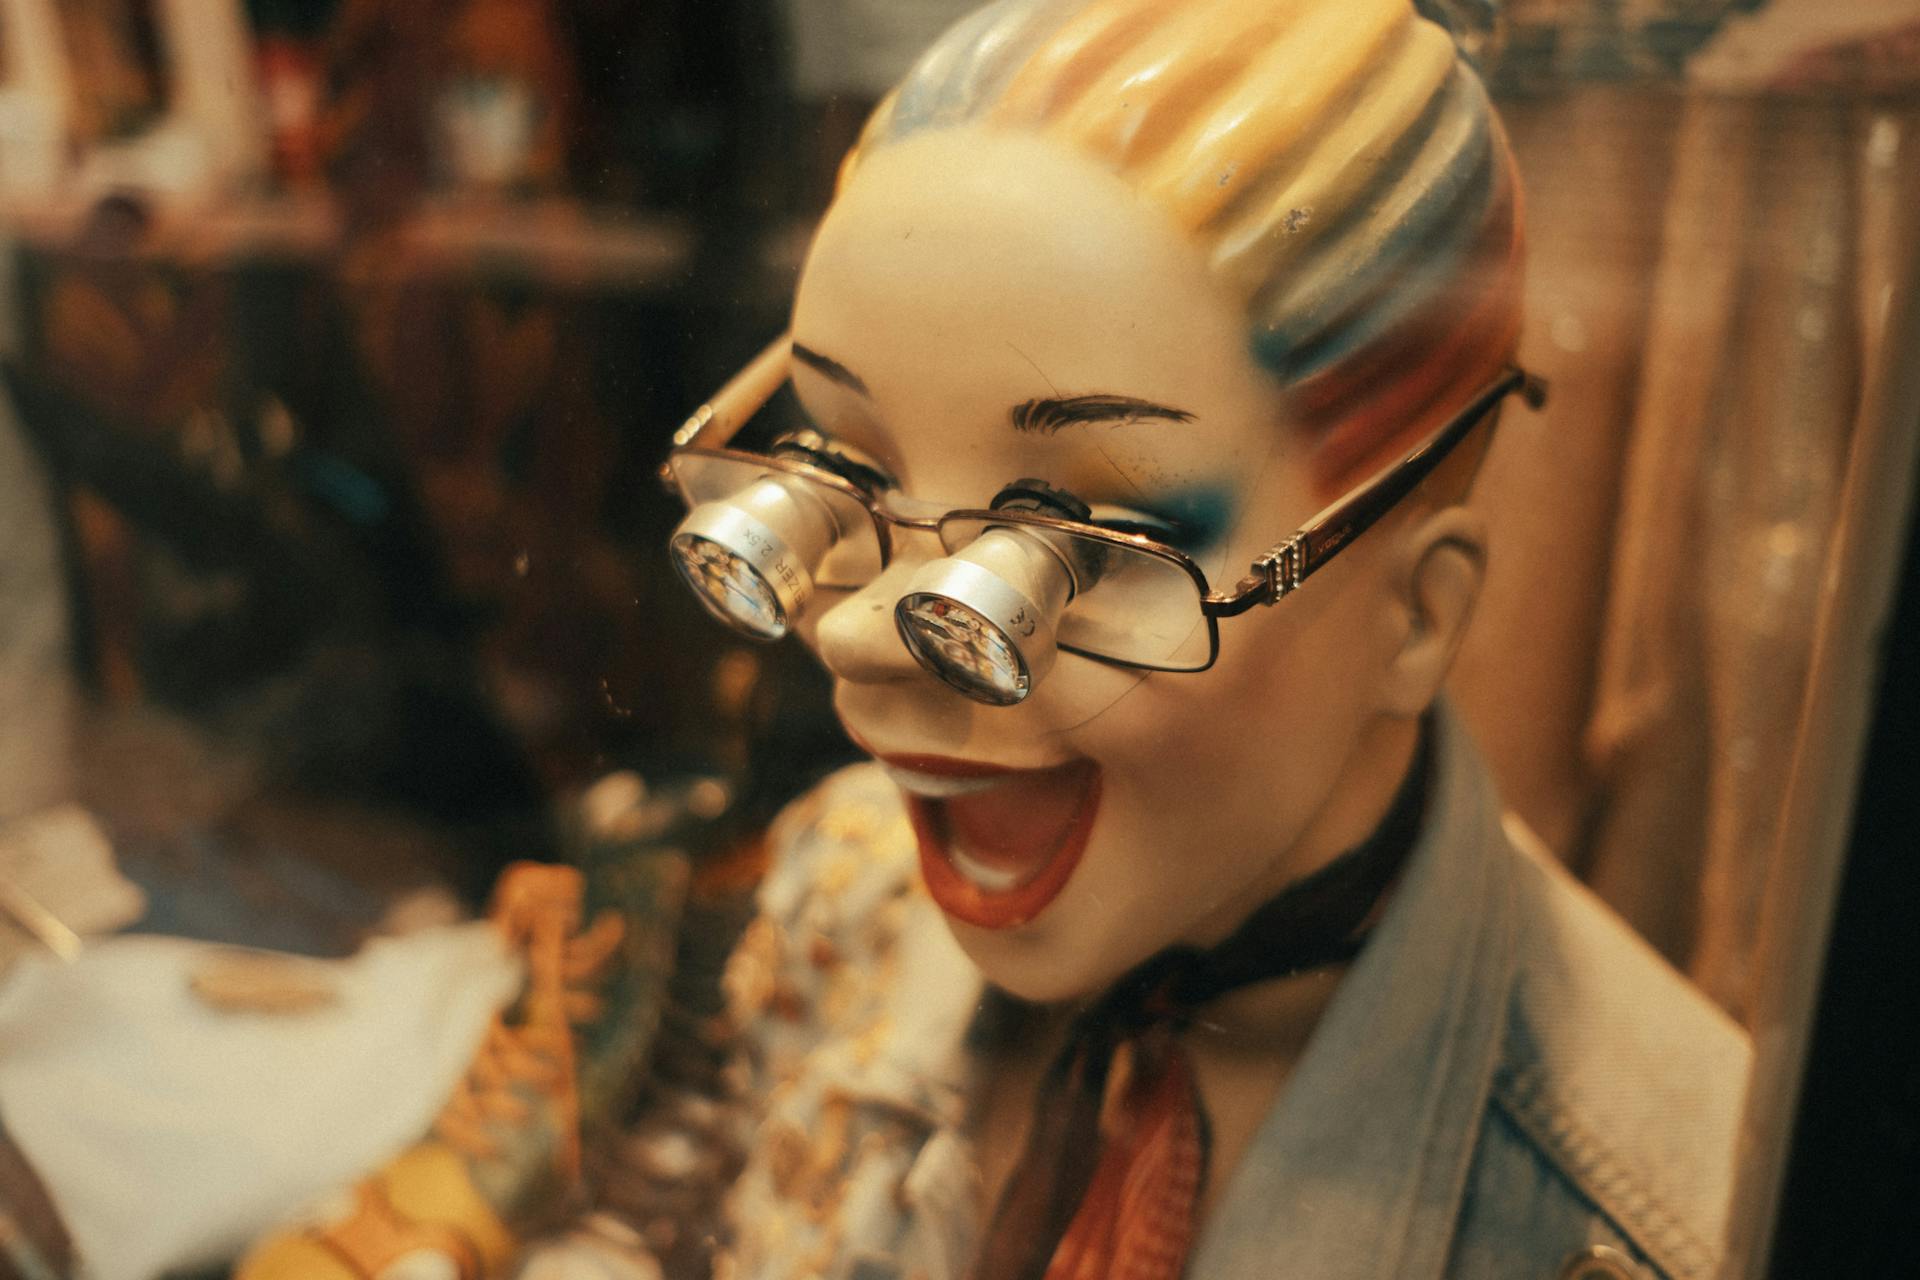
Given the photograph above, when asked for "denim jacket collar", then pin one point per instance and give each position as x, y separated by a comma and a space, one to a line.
1363, 1163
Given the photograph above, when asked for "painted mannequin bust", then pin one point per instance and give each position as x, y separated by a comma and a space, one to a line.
1143, 288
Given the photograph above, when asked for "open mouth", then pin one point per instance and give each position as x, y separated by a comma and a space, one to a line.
997, 845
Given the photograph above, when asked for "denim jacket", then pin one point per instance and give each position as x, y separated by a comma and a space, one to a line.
1507, 1085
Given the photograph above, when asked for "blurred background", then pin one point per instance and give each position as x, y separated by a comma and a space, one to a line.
342, 338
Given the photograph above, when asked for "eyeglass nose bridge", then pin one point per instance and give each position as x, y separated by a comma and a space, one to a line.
896, 517
897, 508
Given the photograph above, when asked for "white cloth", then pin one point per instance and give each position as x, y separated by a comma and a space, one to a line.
170, 1134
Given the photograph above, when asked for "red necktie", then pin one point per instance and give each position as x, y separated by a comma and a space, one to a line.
1135, 1221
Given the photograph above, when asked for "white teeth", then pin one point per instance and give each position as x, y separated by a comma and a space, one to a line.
935, 787
992, 879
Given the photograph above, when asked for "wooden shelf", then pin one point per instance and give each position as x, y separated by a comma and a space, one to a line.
555, 242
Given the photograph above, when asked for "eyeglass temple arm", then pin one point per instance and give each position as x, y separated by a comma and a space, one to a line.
1284, 568
714, 422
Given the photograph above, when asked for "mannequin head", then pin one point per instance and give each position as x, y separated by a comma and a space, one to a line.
1338, 168
1278, 242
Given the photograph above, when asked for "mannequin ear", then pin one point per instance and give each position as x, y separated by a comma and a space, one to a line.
1442, 564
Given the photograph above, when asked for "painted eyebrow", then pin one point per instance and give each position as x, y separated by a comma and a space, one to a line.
828, 367
1044, 417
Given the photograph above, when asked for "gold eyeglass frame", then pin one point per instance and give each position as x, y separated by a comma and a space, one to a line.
1271, 577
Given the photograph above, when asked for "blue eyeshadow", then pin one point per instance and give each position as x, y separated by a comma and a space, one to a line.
1200, 517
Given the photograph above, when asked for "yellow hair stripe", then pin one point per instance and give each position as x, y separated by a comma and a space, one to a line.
1279, 219
1277, 104
1149, 93
1074, 57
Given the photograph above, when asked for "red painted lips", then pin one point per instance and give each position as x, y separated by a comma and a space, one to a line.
997, 845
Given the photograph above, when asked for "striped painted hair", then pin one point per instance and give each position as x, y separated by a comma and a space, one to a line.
1337, 161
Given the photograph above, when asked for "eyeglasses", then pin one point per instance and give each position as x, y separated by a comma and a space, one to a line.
1028, 575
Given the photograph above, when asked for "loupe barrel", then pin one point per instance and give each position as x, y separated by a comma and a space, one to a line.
751, 557
984, 619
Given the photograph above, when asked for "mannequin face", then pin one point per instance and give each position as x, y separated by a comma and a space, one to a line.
1111, 814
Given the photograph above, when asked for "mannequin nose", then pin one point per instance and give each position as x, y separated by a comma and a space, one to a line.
857, 639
